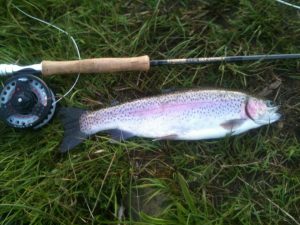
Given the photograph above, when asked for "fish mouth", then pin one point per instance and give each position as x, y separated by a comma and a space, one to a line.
272, 115
272, 110
275, 117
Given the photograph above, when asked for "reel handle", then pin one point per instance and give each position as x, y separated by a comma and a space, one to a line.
96, 65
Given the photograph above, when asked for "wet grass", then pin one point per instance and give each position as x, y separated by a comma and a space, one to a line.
249, 179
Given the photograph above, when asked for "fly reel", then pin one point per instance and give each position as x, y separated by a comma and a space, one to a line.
26, 102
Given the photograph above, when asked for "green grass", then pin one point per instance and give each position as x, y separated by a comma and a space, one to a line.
249, 179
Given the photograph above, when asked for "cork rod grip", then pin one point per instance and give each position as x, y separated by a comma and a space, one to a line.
96, 65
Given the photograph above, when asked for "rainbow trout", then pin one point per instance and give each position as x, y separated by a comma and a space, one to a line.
189, 115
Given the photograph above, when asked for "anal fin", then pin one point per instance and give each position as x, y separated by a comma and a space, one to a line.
119, 135
166, 137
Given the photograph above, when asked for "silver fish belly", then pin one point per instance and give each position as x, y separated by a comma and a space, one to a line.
190, 115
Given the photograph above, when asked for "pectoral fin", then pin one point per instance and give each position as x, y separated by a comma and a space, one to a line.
232, 124
120, 135
166, 137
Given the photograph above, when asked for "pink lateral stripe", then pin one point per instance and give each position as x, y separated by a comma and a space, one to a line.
169, 108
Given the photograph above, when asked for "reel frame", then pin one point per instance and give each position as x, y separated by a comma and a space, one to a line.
26, 102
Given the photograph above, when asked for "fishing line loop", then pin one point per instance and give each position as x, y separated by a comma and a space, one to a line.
64, 32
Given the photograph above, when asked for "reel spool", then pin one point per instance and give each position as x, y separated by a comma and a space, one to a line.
26, 102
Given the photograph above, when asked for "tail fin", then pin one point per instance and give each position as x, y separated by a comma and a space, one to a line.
70, 118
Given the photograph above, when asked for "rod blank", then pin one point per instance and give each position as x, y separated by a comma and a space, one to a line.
228, 59
141, 63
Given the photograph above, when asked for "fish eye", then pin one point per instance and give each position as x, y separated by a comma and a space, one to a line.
270, 103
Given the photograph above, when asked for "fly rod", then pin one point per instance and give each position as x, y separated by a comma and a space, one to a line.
27, 102
141, 63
